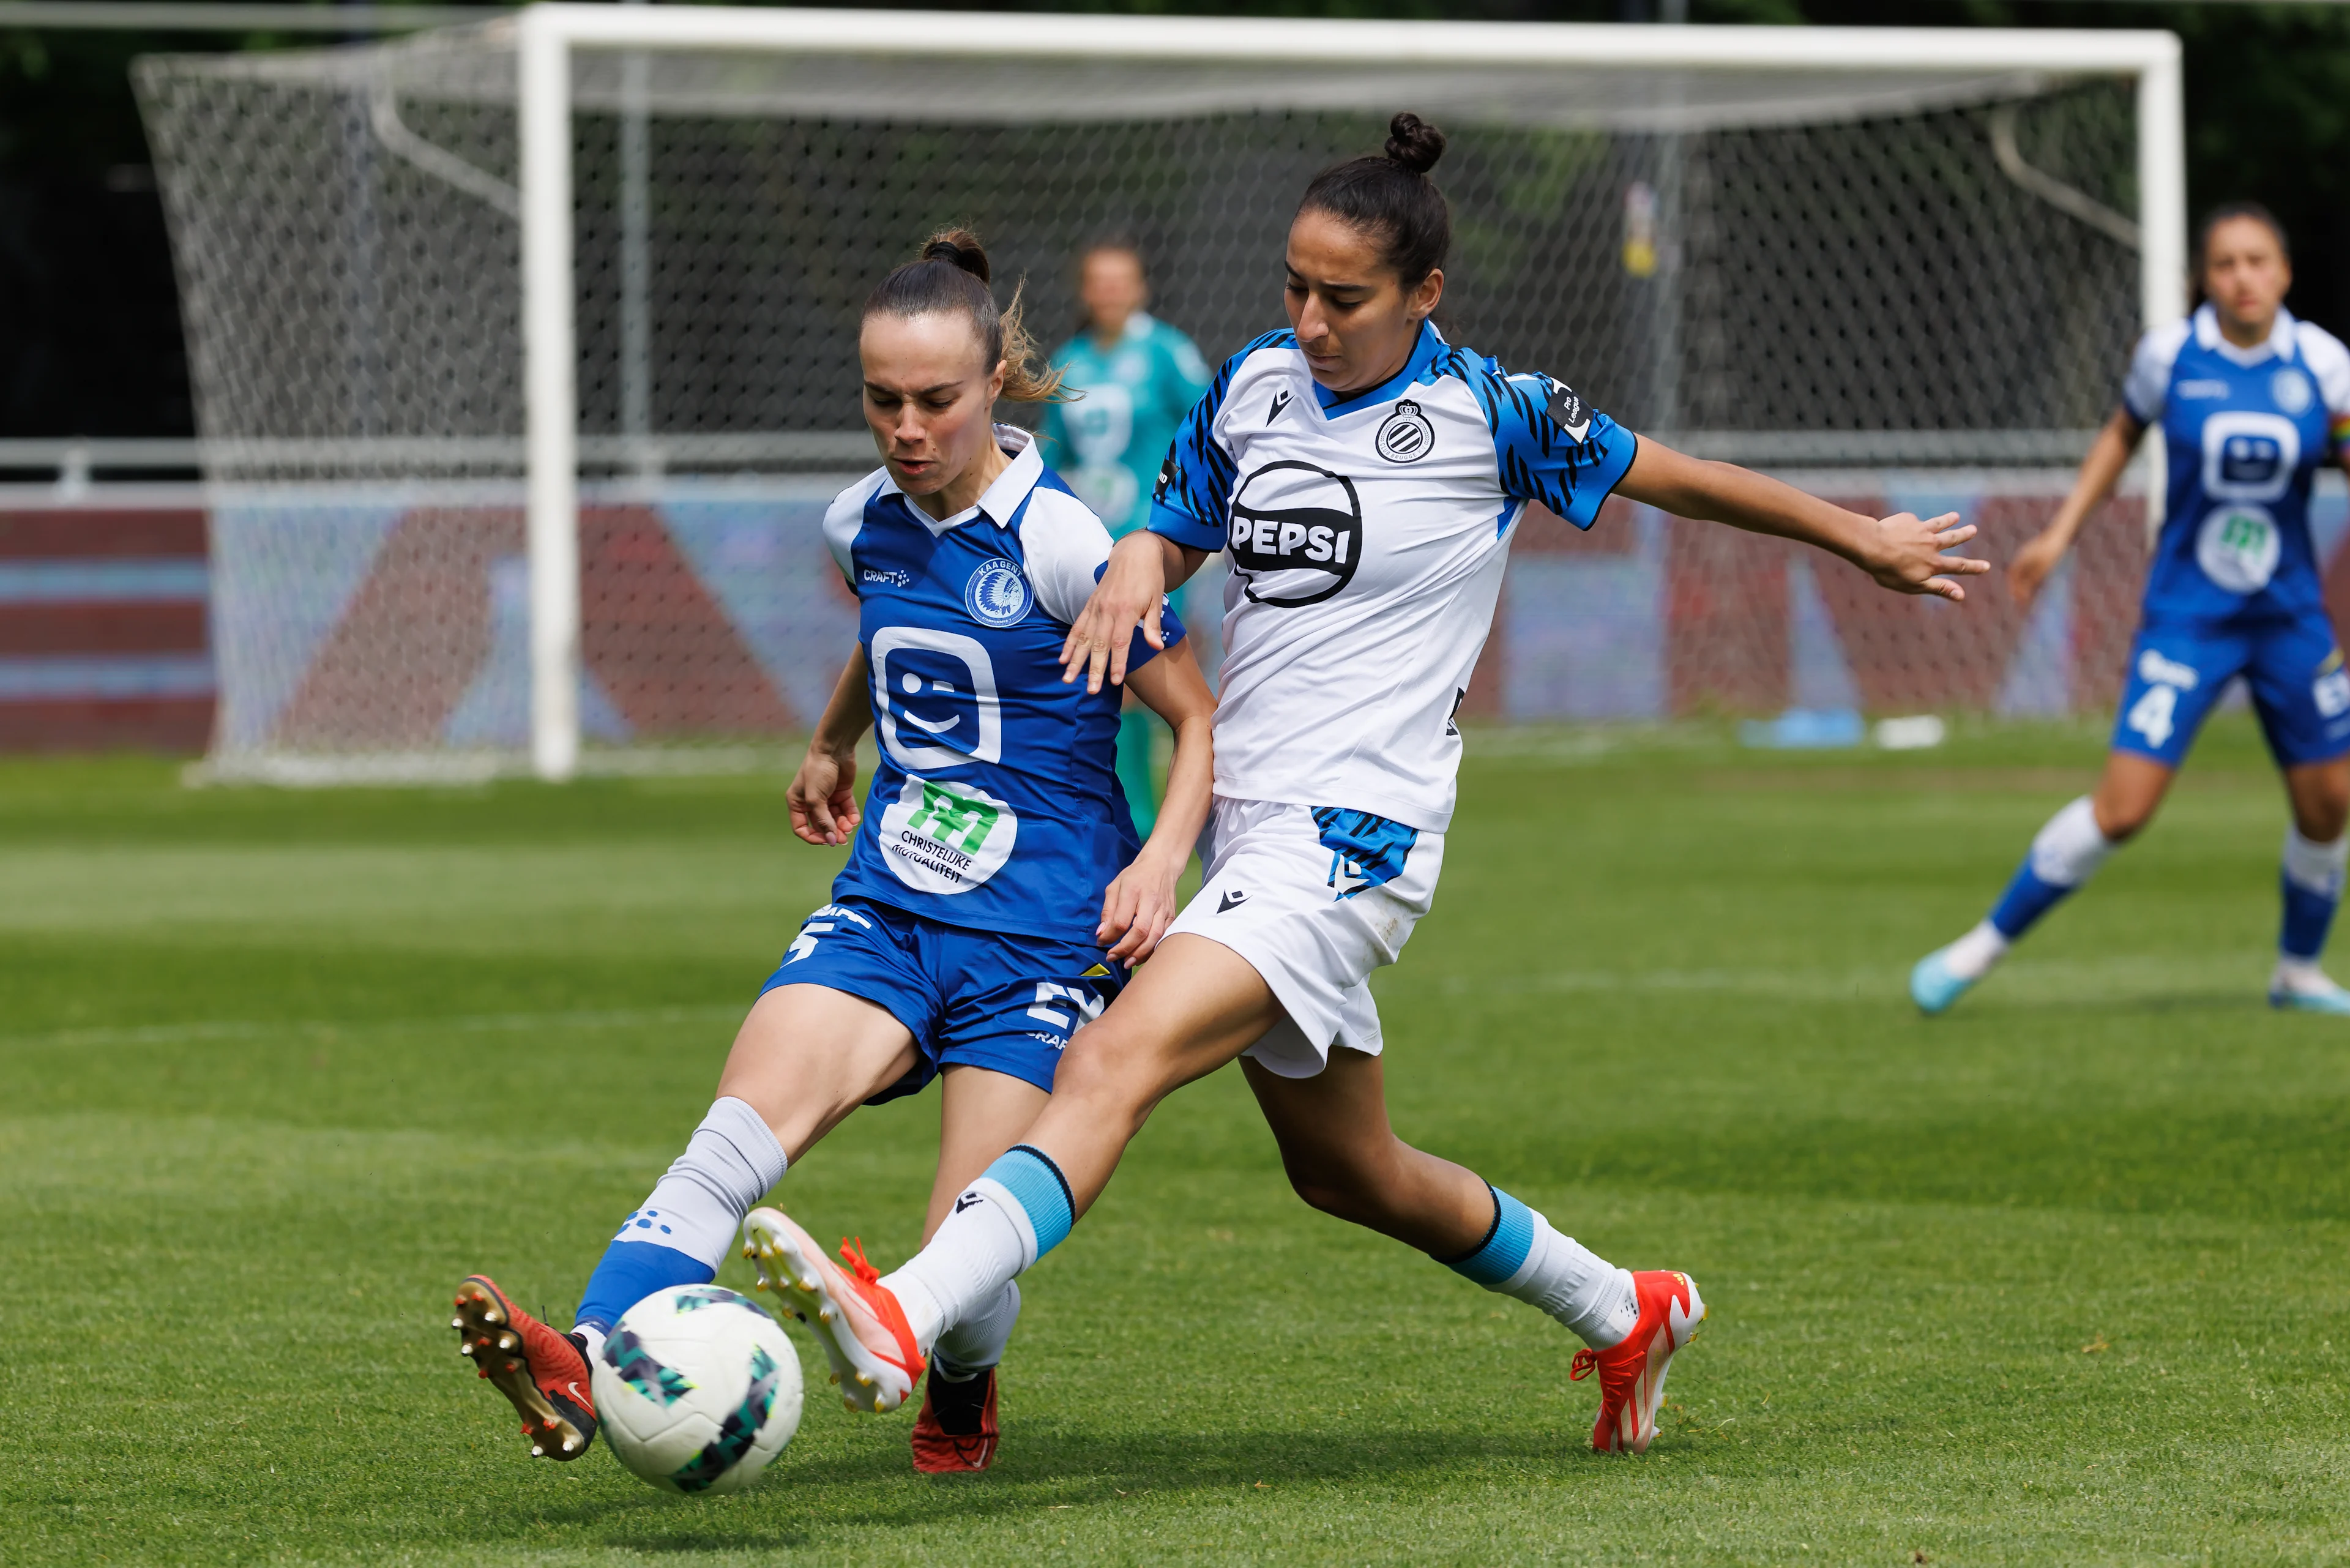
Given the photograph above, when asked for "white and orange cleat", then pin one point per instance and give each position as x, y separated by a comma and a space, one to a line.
858, 1321
1632, 1372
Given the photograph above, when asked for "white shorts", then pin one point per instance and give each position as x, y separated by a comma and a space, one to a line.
1315, 897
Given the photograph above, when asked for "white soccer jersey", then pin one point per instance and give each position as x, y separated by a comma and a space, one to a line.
1367, 539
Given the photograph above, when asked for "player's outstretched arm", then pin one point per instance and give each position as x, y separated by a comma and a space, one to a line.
1900, 552
1142, 904
1142, 566
2108, 455
823, 792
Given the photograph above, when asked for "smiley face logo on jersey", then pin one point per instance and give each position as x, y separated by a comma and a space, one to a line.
1407, 437
1297, 534
934, 693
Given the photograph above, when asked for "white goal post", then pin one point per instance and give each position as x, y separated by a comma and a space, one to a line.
547, 36
485, 322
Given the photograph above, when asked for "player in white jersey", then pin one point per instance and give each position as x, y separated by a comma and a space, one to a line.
1364, 478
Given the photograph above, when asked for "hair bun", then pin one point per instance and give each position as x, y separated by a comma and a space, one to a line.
1414, 143
961, 247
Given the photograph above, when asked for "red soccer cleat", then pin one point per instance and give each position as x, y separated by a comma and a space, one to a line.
1632, 1372
543, 1372
956, 1431
859, 1322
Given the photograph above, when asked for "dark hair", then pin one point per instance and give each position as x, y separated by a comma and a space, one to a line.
951, 277
1390, 198
2226, 211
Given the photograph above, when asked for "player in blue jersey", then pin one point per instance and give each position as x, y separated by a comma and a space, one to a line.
1135, 377
2250, 402
1364, 477
995, 891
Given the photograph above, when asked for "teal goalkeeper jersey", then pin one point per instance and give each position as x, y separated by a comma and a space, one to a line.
1108, 444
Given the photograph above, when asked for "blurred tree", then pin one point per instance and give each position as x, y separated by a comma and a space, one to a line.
89, 340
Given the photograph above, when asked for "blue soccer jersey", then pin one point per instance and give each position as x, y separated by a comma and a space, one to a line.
1367, 537
996, 805
2244, 430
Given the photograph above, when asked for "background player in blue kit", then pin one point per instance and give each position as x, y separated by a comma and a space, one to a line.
995, 890
1135, 379
2250, 402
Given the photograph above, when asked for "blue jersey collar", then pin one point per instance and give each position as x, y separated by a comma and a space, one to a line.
1001, 502
1423, 354
2208, 336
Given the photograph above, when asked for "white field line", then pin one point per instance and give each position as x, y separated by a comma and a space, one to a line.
489, 1022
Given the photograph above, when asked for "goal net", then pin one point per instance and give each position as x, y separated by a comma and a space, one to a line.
1914, 280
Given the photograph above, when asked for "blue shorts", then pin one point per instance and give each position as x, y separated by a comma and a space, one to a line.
2178, 671
985, 998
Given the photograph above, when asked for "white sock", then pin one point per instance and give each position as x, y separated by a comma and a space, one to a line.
2300, 976
1577, 1286
1972, 955
2070, 848
977, 1343
697, 1207
595, 1338
2314, 866
984, 1244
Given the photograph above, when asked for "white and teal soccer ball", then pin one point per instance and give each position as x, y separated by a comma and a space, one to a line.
697, 1389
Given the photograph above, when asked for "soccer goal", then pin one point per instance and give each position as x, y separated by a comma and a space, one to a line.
524, 353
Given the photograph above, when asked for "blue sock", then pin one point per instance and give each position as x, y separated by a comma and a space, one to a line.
628, 1272
1498, 1258
2311, 883
1031, 1180
2026, 900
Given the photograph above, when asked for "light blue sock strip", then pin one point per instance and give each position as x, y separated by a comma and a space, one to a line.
1506, 1247
1036, 1185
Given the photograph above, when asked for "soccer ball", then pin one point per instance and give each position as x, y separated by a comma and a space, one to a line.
697, 1389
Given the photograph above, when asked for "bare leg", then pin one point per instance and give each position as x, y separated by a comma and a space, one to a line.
1195, 1006
2128, 793
807, 1055
982, 1114
2320, 795
1345, 1159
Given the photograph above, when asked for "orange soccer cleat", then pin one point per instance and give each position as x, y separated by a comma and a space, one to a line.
956, 1430
543, 1372
859, 1322
1632, 1372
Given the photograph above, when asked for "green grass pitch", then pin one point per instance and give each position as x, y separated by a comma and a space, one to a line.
2056, 1279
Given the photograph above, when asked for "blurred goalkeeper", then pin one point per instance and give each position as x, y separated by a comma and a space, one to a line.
1134, 378
2250, 402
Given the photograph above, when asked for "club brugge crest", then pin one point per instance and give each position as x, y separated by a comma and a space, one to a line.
996, 595
1407, 437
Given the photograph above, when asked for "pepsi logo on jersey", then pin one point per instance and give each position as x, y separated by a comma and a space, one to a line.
1297, 534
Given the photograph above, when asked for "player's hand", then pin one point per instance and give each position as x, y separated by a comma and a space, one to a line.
2034, 562
823, 797
1909, 556
1128, 596
1137, 909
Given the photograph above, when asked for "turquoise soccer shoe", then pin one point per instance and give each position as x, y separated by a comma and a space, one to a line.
1933, 987
2335, 1000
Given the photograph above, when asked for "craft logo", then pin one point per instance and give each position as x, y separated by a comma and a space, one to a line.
1407, 437
996, 595
1297, 534
945, 837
